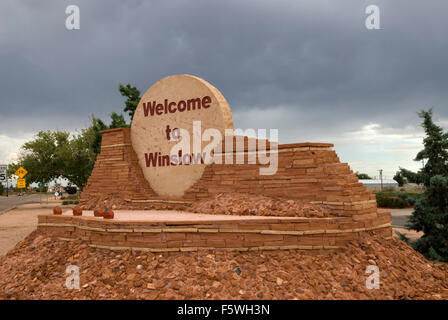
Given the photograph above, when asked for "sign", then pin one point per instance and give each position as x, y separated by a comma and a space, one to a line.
21, 183
3, 175
21, 172
172, 103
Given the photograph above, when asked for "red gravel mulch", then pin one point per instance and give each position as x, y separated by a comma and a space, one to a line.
35, 269
258, 205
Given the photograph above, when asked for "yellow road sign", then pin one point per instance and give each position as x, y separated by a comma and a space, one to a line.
21, 183
21, 172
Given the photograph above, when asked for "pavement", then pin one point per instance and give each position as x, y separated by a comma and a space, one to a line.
400, 216
399, 220
177, 216
8, 203
19, 218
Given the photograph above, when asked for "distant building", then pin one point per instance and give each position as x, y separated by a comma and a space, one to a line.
376, 183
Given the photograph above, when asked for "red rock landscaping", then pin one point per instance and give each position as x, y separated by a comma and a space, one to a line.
258, 205
35, 269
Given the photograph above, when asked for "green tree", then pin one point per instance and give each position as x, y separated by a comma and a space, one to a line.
97, 126
431, 209
51, 155
363, 176
410, 176
39, 157
133, 98
77, 158
401, 180
435, 150
118, 121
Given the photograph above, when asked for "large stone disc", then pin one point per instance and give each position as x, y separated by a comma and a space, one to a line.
162, 106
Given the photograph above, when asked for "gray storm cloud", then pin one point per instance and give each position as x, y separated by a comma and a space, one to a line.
309, 68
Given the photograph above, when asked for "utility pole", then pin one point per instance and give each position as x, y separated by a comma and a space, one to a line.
381, 178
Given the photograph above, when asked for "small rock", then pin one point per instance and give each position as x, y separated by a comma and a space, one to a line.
153, 295
279, 281
150, 286
262, 268
131, 277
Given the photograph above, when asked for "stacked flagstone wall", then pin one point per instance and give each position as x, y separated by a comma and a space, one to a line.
310, 172
116, 172
239, 234
307, 171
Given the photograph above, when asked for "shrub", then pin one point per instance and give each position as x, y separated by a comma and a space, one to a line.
403, 196
388, 199
390, 202
71, 190
430, 216
67, 202
72, 197
410, 198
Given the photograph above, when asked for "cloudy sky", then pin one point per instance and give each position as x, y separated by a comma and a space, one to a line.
309, 68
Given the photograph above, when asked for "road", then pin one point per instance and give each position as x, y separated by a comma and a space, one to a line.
14, 201
400, 216
399, 221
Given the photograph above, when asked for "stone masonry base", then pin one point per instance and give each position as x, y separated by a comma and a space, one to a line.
236, 233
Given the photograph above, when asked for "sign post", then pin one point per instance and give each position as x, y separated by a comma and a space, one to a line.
4, 175
21, 172
41, 187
